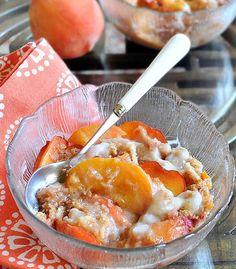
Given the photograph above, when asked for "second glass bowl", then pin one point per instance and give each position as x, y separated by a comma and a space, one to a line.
154, 28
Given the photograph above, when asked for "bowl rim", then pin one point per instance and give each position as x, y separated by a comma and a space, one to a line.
107, 250
191, 13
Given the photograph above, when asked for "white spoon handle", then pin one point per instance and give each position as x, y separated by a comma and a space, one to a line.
175, 49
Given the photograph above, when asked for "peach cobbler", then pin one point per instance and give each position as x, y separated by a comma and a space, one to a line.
177, 5
131, 189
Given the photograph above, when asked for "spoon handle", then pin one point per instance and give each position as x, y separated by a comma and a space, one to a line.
175, 49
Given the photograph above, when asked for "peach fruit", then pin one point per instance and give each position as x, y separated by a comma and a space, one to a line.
71, 27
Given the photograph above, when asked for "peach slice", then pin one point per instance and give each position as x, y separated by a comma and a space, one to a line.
83, 134
171, 179
54, 151
132, 131
161, 232
169, 229
51, 152
126, 184
76, 232
115, 211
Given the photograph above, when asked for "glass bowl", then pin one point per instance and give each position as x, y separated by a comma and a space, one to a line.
161, 108
154, 28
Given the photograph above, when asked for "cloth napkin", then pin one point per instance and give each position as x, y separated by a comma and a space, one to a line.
28, 77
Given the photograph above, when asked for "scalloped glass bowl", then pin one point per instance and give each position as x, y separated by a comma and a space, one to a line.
153, 28
161, 108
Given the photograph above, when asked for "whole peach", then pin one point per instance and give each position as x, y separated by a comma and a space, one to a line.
72, 27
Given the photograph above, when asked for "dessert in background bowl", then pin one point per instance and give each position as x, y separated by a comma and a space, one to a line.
180, 121
178, 5
153, 23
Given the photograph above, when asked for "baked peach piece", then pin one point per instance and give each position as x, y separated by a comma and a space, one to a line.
161, 232
164, 6
126, 184
72, 27
76, 232
83, 134
115, 211
133, 132
171, 179
55, 150
51, 152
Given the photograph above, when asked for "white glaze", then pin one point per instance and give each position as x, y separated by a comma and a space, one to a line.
149, 218
140, 229
192, 201
164, 203
178, 157
102, 150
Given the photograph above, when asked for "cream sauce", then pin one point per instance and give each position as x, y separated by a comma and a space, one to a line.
164, 203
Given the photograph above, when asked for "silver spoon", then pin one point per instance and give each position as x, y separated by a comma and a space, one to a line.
176, 48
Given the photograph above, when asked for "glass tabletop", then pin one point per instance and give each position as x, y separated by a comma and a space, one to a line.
206, 76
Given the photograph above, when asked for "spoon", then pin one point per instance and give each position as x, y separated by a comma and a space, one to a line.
175, 49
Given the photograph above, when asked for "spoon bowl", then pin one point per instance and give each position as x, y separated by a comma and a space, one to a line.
41, 178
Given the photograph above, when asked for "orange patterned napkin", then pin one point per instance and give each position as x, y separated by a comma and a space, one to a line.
28, 77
